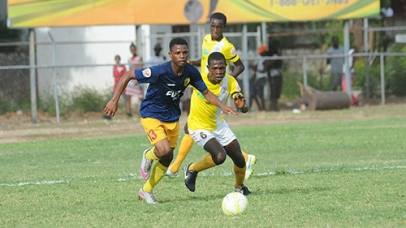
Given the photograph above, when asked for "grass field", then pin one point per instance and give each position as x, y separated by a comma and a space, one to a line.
328, 173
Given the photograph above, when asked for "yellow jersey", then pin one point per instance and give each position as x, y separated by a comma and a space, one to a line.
223, 46
204, 115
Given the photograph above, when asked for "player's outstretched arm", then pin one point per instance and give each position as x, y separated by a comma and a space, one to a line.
111, 106
214, 100
195, 62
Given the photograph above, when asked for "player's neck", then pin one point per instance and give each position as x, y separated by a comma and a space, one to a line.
178, 70
218, 38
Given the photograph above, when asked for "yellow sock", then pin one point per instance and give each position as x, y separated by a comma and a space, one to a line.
245, 156
239, 176
206, 163
184, 148
157, 172
150, 155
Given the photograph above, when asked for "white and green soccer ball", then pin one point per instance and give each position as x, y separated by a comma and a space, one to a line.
234, 203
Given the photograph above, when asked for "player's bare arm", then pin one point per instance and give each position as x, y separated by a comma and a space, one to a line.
194, 62
239, 68
111, 106
214, 100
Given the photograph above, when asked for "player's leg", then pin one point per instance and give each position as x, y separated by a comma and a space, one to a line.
164, 153
216, 156
229, 141
157, 173
234, 152
164, 138
184, 149
260, 91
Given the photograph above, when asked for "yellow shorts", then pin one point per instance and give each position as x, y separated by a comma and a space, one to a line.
158, 130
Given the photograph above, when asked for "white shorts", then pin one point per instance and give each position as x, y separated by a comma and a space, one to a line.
223, 134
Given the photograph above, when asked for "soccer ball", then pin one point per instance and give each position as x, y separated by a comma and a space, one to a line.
234, 203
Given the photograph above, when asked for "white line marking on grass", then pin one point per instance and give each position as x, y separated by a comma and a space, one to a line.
135, 177
329, 170
34, 183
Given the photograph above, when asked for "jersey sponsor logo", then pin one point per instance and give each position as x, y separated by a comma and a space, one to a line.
200, 95
175, 95
186, 82
205, 51
223, 90
146, 73
238, 88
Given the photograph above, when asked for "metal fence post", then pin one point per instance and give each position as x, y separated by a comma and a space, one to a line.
382, 78
58, 119
246, 63
347, 58
33, 82
366, 50
304, 71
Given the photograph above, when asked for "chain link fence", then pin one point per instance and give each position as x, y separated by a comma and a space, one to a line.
61, 66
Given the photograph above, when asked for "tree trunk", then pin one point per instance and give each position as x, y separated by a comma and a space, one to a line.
312, 99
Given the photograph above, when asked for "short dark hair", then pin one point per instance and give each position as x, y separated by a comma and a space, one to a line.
216, 56
133, 45
177, 41
219, 16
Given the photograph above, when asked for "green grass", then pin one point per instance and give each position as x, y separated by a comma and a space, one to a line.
321, 174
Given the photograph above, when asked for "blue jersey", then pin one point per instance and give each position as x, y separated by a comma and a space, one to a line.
165, 89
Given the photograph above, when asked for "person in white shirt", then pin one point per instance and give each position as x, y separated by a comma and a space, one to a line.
259, 80
156, 58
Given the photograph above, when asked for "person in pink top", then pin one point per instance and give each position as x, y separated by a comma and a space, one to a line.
118, 71
134, 89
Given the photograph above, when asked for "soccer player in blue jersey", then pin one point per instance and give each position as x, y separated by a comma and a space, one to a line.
160, 111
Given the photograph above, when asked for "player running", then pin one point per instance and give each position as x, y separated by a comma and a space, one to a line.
213, 42
208, 128
160, 111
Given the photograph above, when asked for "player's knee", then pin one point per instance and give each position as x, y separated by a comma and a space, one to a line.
219, 158
163, 151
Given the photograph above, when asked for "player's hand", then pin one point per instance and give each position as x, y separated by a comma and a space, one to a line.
229, 110
111, 108
239, 100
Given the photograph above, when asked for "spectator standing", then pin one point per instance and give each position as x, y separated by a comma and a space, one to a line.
258, 80
157, 58
336, 63
274, 70
134, 89
118, 71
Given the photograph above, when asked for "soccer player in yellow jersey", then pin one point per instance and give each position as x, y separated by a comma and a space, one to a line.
213, 42
208, 128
